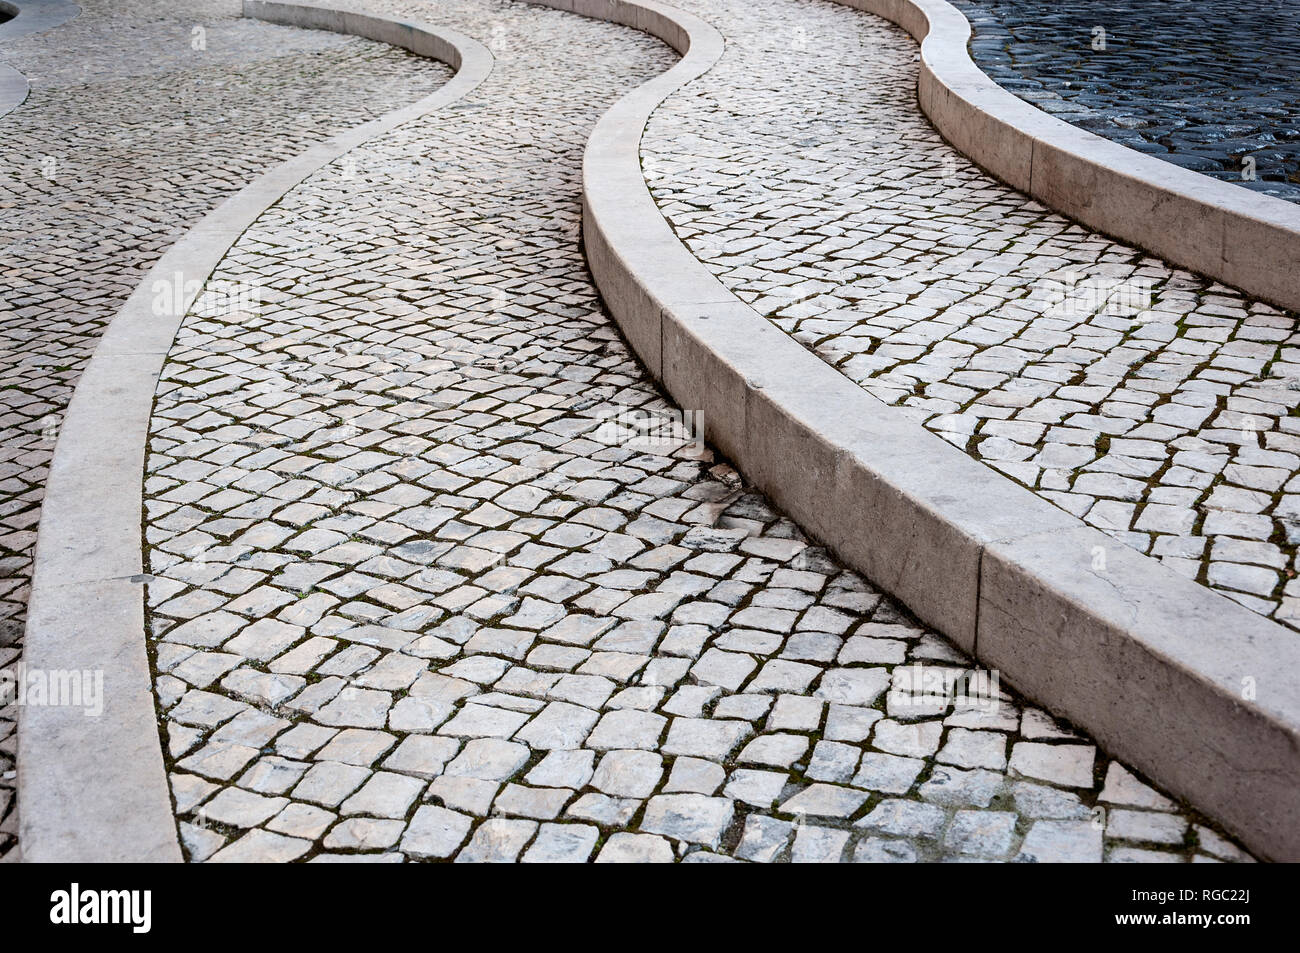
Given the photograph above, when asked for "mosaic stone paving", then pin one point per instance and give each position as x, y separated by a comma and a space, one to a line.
419, 593
135, 127
1156, 405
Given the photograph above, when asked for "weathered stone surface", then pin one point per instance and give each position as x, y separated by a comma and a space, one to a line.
562, 844
1053, 842
435, 832
688, 817
625, 848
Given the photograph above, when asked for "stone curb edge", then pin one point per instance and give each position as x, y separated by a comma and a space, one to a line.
13, 89
1153, 665
95, 789
1244, 239
34, 16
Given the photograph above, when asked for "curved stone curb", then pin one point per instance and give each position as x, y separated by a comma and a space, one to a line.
13, 89
1242, 238
95, 789
34, 16
1153, 665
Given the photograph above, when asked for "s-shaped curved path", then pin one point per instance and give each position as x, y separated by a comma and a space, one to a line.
142, 116
411, 597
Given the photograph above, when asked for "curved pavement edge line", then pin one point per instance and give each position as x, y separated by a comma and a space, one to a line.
32, 16
1242, 238
13, 89
94, 788
1195, 690
35, 16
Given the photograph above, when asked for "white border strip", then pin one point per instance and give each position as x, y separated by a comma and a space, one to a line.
1157, 668
34, 16
13, 89
95, 789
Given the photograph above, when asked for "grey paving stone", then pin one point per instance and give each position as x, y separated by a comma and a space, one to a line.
1053, 842
627, 728
1145, 826
904, 819
778, 750
818, 845
688, 817
984, 833
628, 773
625, 848
364, 833
329, 782
704, 737
759, 788
562, 844
384, 795
603, 810
421, 756
239, 808
434, 832
880, 850
1121, 787
887, 773
559, 725
763, 838
1069, 765
490, 759
261, 847
471, 795
544, 804
825, 800
301, 820
694, 775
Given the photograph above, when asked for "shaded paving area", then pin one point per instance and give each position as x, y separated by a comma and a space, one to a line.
419, 591
1212, 87
143, 115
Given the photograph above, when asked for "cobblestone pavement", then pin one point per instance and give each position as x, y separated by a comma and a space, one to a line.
1200, 84
130, 135
1156, 405
415, 595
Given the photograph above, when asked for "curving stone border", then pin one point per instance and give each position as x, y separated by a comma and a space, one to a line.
1245, 239
34, 16
95, 789
13, 89
1191, 688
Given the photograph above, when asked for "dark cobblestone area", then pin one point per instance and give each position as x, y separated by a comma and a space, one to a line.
1206, 86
